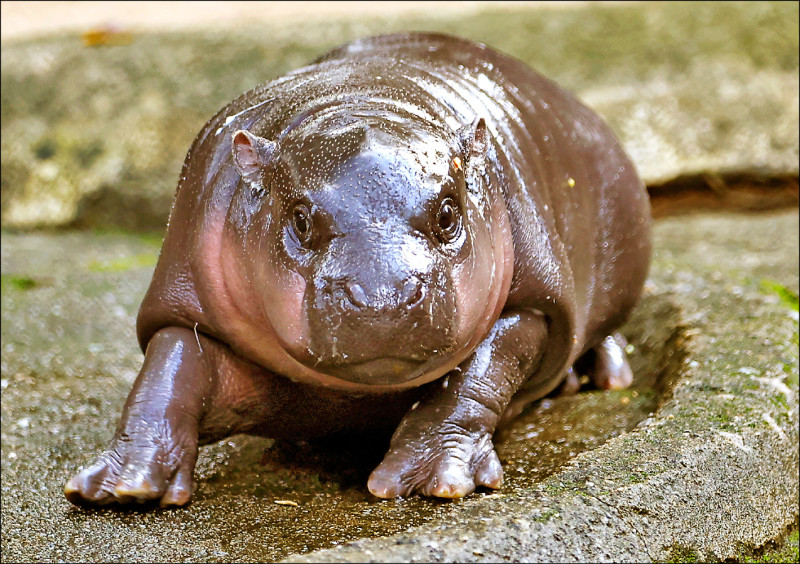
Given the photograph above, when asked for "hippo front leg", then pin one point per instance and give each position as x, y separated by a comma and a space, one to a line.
177, 402
443, 447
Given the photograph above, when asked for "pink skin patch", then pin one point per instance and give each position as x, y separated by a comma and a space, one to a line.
283, 306
481, 291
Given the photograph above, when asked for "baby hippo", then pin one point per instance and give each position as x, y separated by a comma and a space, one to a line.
414, 233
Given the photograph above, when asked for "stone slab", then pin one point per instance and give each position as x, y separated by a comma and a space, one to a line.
709, 466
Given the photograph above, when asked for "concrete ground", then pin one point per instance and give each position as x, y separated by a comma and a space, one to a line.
699, 458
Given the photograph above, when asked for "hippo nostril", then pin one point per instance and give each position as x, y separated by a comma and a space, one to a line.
352, 294
413, 292
356, 294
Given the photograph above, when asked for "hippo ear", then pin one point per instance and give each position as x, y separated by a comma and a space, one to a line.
251, 154
474, 142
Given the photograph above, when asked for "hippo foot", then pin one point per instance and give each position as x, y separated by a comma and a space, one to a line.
151, 466
611, 370
570, 386
606, 366
448, 465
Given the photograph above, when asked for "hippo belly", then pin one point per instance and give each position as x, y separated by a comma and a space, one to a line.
413, 232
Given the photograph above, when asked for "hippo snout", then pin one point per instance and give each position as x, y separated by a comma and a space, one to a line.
349, 293
371, 329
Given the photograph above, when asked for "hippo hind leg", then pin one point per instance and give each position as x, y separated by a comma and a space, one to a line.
606, 365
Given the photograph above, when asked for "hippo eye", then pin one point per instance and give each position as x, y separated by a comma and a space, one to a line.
301, 222
448, 220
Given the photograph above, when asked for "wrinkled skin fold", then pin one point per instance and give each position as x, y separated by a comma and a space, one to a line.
414, 233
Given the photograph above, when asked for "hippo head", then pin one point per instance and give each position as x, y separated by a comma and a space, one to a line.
373, 250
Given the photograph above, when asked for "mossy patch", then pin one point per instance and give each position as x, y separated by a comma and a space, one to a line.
787, 297
683, 554
14, 282
787, 551
545, 516
792, 376
124, 263
154, 238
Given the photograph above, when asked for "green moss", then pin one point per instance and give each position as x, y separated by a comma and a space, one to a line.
779, 401
788, 298
683, 554
124, 263
792, 376
12, 282
560, 488
546, 516
636, 477
154, 238
788, 551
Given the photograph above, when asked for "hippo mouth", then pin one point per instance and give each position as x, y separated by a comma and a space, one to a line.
376, 371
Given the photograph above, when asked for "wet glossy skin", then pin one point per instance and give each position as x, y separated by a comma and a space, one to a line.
415, 229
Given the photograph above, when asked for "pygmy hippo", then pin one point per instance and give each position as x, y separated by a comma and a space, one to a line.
415, 232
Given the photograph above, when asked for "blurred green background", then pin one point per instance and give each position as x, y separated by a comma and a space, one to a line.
96, 119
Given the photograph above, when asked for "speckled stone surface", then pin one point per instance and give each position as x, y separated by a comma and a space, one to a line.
699, 457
